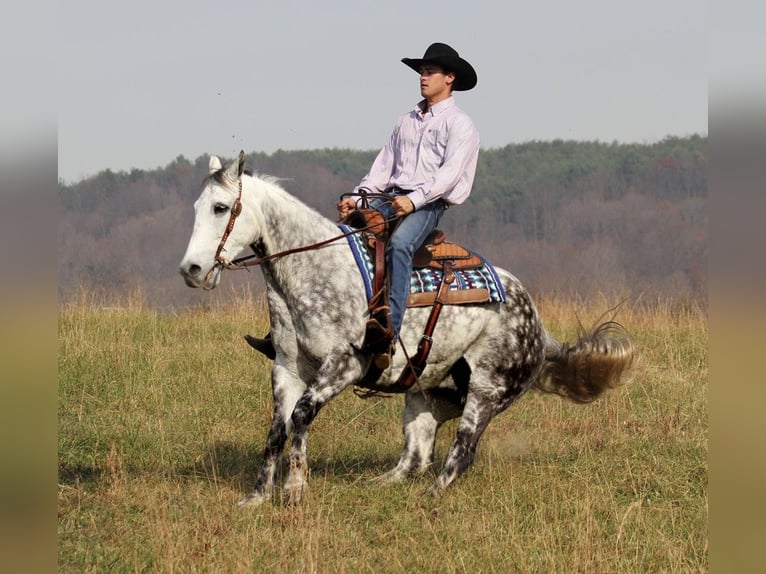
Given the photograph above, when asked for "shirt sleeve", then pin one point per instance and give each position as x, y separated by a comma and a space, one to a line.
454, 178
378, 177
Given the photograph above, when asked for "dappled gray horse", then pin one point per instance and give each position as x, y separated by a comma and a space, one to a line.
483, 357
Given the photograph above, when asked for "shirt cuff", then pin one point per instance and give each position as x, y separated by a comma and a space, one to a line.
417, 197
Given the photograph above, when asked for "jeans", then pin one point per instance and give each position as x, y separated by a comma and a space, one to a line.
409, 235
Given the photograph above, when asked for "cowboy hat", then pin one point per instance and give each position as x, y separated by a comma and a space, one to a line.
450, 61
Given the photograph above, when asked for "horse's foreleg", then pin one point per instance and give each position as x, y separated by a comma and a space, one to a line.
424, 412
264, 483
336, 374
286, 389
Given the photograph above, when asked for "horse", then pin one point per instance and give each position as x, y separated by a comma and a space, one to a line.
483, 357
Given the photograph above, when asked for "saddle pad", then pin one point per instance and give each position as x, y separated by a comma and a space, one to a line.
424, 280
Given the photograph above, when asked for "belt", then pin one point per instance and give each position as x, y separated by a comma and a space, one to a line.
398, 190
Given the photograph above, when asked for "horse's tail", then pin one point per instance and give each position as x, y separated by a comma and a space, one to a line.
595, 363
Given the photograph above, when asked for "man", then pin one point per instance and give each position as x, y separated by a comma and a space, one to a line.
427, 165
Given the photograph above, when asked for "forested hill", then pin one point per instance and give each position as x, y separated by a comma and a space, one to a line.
575, 218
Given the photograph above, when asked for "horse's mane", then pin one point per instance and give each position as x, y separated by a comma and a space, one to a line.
274, 182
220, 177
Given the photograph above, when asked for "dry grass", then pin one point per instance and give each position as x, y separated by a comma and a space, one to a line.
162, 419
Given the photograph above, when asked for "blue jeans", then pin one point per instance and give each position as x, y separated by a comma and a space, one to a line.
408, 236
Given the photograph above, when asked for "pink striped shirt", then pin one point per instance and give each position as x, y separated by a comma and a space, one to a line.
434, 154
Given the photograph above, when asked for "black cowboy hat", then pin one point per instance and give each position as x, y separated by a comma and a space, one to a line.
450, 61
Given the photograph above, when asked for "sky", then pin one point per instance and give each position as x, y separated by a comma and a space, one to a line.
142, 82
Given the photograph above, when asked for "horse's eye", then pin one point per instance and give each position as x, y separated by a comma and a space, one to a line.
220, 208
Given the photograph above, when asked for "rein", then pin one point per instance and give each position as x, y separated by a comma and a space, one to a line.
246, 261
243, 262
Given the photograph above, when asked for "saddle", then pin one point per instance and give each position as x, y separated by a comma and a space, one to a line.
436, 253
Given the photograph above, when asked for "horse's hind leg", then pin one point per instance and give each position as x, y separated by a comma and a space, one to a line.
477, 413
286, 389
424, 412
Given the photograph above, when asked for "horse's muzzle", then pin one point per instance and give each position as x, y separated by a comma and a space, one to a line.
193, 277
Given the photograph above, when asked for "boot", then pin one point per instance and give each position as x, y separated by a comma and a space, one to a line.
378, 337
264, 345
378, 340
383, 360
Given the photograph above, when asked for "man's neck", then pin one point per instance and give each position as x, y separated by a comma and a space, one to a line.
428, 103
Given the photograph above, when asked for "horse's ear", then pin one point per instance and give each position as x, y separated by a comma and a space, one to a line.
236, 168
232, 171
241, 167
214, 165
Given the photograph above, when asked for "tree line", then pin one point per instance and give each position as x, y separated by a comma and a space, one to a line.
566, 217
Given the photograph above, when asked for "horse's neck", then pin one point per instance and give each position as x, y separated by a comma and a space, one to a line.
289, 223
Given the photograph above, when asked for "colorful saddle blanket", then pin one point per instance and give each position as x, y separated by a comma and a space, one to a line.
479, 285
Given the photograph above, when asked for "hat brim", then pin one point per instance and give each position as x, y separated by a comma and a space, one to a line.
465, 75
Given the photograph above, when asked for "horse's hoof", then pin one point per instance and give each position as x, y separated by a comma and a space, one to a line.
387, 478
434, 491
294, 494
253, 499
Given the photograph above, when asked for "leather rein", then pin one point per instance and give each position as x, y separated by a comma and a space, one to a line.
253, 260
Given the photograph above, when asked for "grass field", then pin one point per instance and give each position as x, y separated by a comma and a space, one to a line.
162, 420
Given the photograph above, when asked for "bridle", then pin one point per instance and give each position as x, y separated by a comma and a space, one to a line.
236, 209
219, 261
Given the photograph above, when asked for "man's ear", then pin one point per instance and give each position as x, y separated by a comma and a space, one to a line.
450, 78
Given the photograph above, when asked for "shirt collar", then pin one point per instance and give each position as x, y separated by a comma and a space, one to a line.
436, 109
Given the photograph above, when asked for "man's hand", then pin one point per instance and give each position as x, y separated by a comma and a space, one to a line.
345, 206
402, 205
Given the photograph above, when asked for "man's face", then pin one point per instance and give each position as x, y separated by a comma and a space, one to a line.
435, 84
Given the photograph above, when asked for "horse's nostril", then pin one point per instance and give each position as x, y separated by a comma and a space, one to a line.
194, 270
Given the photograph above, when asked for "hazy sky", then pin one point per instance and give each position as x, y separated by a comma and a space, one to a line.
141, 82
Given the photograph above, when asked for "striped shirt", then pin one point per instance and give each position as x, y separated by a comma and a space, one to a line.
433, 154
